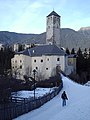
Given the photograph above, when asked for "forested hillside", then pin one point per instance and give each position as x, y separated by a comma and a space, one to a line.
69, 38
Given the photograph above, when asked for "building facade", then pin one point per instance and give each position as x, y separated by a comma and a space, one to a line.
53, 29
44, 59
16, 47
20, 65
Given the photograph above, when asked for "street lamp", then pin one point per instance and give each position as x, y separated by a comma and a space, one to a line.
34, 73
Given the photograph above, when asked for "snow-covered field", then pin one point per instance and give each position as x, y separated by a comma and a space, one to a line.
78, 105
28, 94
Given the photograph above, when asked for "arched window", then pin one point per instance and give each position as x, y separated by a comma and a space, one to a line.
34, 60
36, 67
58, 59
20, 66
20, 61
41, 60
47, 59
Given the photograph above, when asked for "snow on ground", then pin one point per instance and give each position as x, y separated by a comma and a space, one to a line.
78, 105
28, 94
88, 83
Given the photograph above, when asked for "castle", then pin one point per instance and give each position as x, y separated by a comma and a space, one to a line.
45, 59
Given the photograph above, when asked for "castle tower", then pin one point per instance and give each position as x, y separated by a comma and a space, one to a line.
53, 29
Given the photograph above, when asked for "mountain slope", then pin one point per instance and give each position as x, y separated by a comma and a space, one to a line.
72, 39
69, 38
12, 37
78, 105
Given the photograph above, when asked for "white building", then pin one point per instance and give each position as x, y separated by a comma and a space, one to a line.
43, 58
20, 65
16, 47
27, 46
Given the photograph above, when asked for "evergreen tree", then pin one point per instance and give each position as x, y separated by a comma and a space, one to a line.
5, 60
89, 53
79, 52
88, 66
73, 51
67, 51
85, 53
79, 61
20, 48
82, 65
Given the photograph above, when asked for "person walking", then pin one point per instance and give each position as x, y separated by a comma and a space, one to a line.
64, 98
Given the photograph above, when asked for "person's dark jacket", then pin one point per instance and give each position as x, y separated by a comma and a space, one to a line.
64, 96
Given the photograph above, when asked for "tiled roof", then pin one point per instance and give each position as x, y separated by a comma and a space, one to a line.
43, 50
53, 13
25, 52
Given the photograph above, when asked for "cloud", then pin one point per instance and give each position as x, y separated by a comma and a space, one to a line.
30, 20
36, 5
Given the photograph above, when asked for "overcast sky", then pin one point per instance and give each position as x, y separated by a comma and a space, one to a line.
29, 16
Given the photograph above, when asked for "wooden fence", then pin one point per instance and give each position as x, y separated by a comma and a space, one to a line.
18, 107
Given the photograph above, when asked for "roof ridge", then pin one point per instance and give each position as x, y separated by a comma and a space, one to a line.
29, 52
53, 13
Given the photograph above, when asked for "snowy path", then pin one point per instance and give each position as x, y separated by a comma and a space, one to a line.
78, 105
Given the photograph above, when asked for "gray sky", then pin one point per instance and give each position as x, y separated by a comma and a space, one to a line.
29, 16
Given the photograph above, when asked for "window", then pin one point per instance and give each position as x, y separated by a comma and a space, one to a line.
20, 61
19, 73
58, 59
41, 60
15, 61
46, 68
20, 66
48, 59
36, 67
48, 27
34, 60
